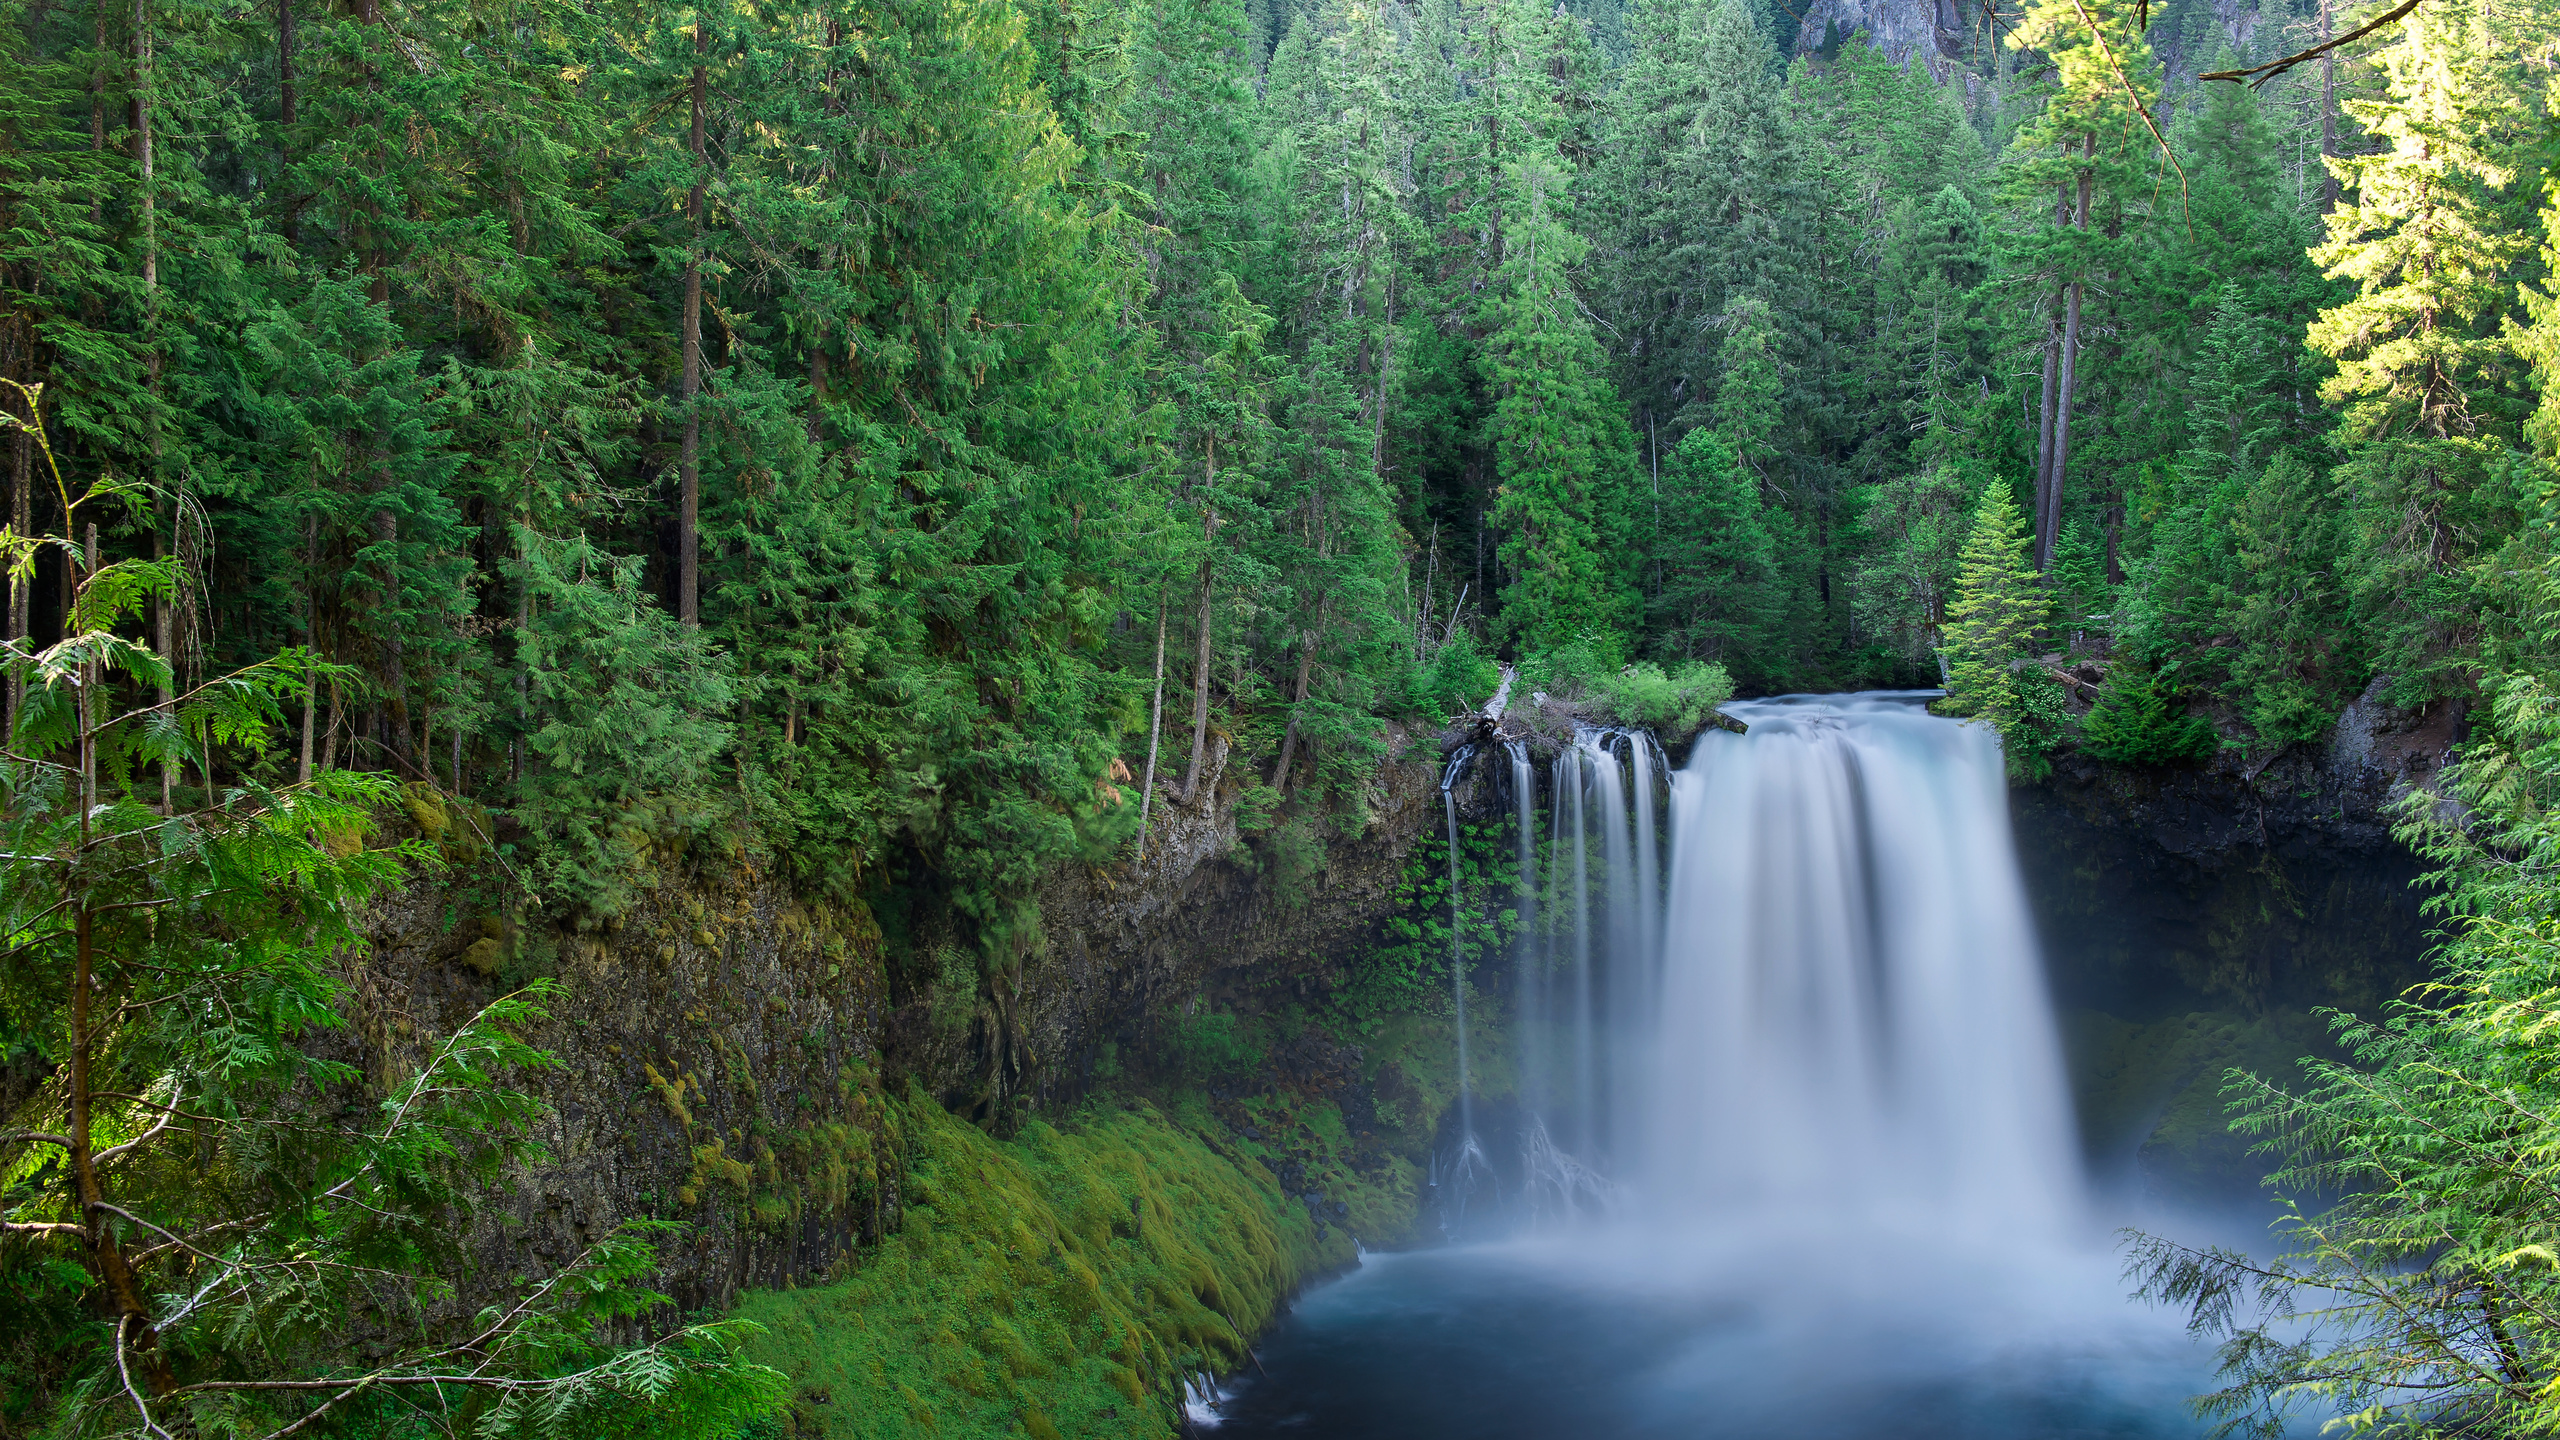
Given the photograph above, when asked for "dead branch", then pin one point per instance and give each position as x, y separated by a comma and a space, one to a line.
2274, 68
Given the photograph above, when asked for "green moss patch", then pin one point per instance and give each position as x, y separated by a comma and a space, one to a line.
1061, 1283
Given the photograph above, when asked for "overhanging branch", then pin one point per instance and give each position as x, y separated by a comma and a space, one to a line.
2274, 68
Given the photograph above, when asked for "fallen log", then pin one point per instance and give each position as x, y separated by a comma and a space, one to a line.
1483, 725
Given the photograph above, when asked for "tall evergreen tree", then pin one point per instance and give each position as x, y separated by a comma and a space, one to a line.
1992, 623
2075, 163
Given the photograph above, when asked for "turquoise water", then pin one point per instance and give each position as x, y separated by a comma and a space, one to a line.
1764, 1339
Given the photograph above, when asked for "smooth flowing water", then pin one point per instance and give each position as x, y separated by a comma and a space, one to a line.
1796, 1155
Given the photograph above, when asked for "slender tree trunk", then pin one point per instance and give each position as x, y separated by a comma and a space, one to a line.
329, 733
689, 506
288, 110
524, 627
142, 157
369, 13
97, 1231
106, 1257
1155, 730
88, 690
2067, 389
21, 508
98, 86
310, 636
1200, 671
2044, 410
1653, 458
1289, 739
395, 681
164, 643
162, 638
2328, 114
817, 389
2052, 374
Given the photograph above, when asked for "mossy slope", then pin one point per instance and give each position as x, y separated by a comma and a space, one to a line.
1060, 1283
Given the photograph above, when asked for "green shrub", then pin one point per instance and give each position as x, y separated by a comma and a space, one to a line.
1459, 677
1643, 694
2132, 723
1593, 672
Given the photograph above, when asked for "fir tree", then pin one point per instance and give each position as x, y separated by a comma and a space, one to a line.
2132, 723
1992, 622
1721, 592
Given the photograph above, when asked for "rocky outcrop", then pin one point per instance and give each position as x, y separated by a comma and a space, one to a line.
2194, 918
1932, 30
1211, 908
723, 1047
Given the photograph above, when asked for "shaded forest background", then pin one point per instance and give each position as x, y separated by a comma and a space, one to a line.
867, 438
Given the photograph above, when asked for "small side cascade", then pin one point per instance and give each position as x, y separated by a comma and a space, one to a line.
1555, 1187
1457, 936
1468, 1169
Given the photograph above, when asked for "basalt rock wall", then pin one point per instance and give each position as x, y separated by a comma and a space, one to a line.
2195, 918
723, 1046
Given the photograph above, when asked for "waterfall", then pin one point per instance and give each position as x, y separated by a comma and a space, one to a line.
1828, 995
1853, 1008
1528, 989
1586, 1040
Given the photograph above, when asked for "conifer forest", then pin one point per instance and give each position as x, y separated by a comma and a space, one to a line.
858, 717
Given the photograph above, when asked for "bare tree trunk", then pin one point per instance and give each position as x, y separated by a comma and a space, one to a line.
524, 628
2052, 375
1155, 729
21, 510
2044, 410
395, 680
2328, 114
817, 389
1289, 740
88, 690
689, 506
2051, 528
288, 108
144, 168
98, 88
1653, 458
142, 155
164, 643
310, 636
1200, 675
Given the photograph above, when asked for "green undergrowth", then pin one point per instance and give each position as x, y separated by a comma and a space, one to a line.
1060, 1283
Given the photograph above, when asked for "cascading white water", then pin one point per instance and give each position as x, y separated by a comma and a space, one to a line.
1830, 995
1528, 977
1852, 1008
1792, 1146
